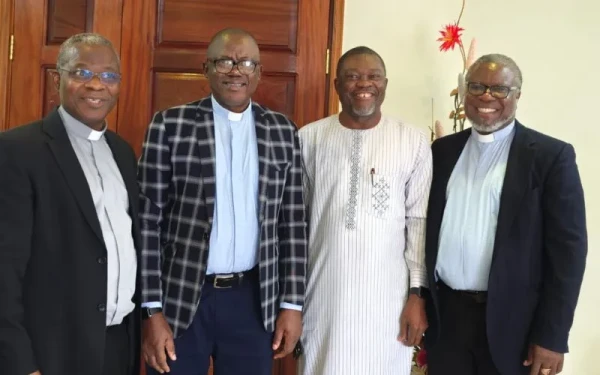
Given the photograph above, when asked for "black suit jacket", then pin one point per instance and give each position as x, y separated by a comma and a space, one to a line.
53, 276
540, 245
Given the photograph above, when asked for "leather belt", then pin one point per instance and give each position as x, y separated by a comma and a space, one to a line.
471, 295
230, 280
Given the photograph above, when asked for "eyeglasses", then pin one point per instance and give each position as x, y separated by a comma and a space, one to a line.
498, 92
84, 76
225, 66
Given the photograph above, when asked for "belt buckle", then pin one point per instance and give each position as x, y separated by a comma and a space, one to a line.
222, 277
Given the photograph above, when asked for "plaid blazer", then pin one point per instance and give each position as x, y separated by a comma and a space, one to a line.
177, 194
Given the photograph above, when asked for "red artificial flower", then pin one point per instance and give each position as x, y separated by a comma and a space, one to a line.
421, 358
450, 37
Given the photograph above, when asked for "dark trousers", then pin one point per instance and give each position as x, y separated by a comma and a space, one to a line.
117, 351
228, 326
462, 348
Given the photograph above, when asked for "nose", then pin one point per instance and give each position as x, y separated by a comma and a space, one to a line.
363, 82
235, 71
95, 83
487, 96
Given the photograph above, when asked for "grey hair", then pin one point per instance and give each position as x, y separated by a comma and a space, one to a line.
69, 52
496, 58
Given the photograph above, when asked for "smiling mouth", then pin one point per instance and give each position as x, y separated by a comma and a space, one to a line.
94, 102
486, 110
234, 85
363, 95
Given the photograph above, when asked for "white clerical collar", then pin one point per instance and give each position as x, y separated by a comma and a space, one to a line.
231, 116
78, 128
495, 136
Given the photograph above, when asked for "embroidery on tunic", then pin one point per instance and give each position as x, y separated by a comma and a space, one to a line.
381, 196
355, 157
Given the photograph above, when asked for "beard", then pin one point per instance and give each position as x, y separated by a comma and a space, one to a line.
364, 112
490, 128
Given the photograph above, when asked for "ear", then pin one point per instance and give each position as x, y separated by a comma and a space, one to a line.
205, 69
260, 70
519, 95
56, 79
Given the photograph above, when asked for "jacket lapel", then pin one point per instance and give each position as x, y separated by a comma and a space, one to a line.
205, 139
516, 181
61, 148
264, 151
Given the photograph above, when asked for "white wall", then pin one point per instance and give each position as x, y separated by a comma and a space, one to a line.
556, 47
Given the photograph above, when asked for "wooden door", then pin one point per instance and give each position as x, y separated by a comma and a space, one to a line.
164, 48
40, 26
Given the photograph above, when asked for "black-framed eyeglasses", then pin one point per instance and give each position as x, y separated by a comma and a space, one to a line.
497, 91
225, 66
84, 76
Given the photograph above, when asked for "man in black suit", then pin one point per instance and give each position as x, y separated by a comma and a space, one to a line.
69, 229
506, 237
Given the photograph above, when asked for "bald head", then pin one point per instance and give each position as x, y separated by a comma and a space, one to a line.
223, 37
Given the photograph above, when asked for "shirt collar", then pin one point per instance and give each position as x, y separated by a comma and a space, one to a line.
79, 129
231, 116
495, 136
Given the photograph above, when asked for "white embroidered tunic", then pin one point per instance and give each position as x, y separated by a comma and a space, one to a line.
367, 194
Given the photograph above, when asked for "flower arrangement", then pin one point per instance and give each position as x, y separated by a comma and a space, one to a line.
451, 36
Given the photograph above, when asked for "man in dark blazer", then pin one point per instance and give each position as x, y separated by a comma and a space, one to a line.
69, 230
223, 225
506, 237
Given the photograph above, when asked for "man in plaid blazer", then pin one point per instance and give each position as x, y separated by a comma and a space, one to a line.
223, 225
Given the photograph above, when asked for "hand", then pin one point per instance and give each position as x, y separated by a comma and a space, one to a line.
157, 343
540, 359
288, 329
413, 321
36, 373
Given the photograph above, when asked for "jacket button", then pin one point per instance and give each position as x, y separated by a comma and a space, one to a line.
101, 307
206, 236
102, 260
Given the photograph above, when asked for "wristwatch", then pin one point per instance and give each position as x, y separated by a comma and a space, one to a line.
419, 292
147, 312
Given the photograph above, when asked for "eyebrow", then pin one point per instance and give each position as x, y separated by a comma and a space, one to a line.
377, 70
231, 58
104, 69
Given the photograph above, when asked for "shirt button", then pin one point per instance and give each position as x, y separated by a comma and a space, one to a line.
102, 260
101, 307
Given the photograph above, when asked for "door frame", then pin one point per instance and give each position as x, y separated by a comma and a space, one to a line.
336, 37
6, 28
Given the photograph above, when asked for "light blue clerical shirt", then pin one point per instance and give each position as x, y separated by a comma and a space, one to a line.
470, 218
234, 235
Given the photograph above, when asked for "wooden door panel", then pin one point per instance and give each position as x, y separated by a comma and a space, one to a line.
195, 22
40, 28
66, 18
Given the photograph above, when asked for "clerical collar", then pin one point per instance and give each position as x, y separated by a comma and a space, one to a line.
495, 136
231, 116
78, 128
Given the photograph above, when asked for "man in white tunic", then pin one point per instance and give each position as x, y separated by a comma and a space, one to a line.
367, 180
